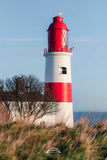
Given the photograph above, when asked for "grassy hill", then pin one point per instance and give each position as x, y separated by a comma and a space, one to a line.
19, 141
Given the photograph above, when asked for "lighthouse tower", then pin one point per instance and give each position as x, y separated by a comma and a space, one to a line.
58, 70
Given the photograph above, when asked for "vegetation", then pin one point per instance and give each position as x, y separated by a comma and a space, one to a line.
19, 141
24, 99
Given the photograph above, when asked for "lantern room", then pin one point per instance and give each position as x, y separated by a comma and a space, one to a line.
58, 36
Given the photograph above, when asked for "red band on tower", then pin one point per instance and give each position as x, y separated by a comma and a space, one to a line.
62, 92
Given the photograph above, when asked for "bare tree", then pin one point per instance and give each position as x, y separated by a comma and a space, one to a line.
24, 97
1, 85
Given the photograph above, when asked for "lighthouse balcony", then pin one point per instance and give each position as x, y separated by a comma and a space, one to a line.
60, 52
55, 50
45, 51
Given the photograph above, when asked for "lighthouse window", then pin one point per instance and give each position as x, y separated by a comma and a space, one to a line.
65, 38
63, 70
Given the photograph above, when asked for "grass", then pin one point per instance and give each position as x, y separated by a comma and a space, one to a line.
19, 141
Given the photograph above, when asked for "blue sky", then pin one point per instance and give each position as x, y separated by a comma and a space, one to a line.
23, 37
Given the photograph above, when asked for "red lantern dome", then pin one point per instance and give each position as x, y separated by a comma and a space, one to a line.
58, 36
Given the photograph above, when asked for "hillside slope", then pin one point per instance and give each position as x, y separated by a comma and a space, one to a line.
29, 142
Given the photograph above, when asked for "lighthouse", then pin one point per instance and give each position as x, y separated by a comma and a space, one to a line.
58, 71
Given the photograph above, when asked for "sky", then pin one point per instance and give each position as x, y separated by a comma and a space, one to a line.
23, 37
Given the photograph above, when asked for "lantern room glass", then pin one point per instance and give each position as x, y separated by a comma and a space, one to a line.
65, 38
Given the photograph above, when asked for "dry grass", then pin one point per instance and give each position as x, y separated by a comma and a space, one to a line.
4, 115
21, 141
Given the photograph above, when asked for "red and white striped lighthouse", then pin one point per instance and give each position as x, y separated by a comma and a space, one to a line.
58, 70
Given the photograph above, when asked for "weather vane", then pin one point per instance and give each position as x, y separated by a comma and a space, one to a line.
60, 14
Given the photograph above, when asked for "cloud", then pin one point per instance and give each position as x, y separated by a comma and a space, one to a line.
21, 39
84, 39
80, 40
90, 38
